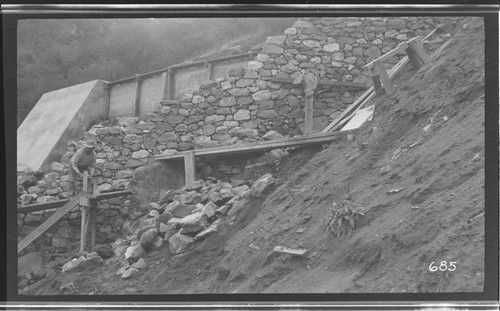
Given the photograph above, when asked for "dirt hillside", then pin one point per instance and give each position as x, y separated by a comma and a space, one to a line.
416, 171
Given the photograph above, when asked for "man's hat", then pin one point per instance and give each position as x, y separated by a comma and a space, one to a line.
89, 144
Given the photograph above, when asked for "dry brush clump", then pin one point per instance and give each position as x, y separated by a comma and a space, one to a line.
344, 217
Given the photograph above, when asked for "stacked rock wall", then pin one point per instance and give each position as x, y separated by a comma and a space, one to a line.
243, 107
335, 48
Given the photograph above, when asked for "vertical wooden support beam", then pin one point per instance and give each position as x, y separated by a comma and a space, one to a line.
384, 77
189, 168
416, 54
138, 86
94, 207
379, 91
85, 181
107, 100
309, 110
210, 71
170, 84
164, 93
84, 209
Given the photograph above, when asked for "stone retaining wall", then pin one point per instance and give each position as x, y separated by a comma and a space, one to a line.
243, 107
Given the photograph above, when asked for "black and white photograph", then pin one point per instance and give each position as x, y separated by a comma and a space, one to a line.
323, 153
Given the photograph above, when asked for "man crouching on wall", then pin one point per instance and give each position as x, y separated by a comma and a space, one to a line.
83, 160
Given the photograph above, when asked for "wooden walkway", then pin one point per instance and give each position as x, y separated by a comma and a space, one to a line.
189, 156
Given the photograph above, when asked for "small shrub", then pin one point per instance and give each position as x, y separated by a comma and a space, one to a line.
344, 217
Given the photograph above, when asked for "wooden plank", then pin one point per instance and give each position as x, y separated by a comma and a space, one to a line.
189, 168
113, 194
309, 110
50, 221
181, 66
345, 120
41, 206
414, 59
315, 138
50, 205
351, 108
419, 50
324, 83
384, 77
291, 251
397, 50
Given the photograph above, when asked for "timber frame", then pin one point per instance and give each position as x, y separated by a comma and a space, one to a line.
189, 157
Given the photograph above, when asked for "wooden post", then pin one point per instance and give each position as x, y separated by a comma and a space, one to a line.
94, 207
210, 71
379, 91
384, 76
308, 122
189, 168
416, 54
138, 86
84, 209
164, 93
107, 100
170, 84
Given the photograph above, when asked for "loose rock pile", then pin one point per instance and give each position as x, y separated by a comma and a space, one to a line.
185, 216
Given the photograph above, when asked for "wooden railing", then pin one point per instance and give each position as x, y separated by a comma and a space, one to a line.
168, 76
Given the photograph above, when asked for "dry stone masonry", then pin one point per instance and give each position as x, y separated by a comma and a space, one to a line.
244, 107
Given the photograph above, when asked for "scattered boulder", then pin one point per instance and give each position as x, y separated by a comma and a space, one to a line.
133, 253
164, 217
241, 191
195, 185
130, 272
193, 223
179, 210
178, 243
272, 135
191, 197
209, 209
236, 208
157, 243
120, 250
139, 264
211, 229
223, 210
167, 231
148, 237
73, 263
103, 251
262, 184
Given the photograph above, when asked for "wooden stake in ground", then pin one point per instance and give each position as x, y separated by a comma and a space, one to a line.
84, 202
94, 207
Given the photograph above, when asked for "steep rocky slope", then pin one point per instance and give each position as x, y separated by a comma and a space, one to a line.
416, 170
